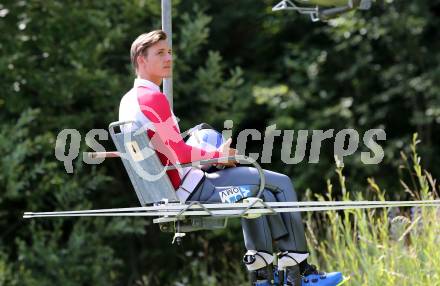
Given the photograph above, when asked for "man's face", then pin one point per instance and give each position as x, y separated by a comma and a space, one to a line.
158, 61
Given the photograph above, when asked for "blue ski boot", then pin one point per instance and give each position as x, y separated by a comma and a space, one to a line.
276, 277
261, 277
312, 277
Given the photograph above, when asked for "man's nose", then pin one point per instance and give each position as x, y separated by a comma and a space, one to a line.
168, 58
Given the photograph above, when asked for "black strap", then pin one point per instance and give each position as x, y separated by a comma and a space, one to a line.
286, 253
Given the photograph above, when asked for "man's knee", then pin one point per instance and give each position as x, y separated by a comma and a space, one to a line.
277, 179
288, 192
286, 180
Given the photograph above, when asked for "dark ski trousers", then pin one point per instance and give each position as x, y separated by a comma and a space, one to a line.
286, 229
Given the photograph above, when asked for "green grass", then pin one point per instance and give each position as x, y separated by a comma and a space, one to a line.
375, 247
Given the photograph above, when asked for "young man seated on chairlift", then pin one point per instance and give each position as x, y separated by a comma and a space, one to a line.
151, 58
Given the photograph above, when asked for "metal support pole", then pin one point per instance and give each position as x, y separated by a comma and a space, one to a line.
167, 28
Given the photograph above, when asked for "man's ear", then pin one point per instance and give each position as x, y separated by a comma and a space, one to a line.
141, 60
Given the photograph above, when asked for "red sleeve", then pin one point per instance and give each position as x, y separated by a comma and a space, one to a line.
167, 139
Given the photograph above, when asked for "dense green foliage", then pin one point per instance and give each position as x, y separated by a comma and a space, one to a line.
65, 64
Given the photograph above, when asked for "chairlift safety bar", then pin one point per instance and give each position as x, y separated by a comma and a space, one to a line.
235, 209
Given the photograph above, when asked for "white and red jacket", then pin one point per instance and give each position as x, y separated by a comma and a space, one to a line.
145, 103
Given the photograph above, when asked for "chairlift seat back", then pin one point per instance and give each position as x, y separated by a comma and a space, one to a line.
142, 164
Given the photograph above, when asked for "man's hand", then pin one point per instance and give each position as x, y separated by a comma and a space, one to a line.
227, 151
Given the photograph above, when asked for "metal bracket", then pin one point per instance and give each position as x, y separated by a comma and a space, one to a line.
313, 12
253, 201
180, 214
178, 237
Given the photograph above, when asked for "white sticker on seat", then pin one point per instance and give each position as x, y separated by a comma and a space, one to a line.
134, 150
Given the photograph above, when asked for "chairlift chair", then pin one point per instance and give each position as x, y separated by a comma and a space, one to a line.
322, 9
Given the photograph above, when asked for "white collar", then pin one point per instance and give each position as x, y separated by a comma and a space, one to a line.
146, 83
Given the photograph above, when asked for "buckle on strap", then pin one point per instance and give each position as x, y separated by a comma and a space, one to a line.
189, 183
